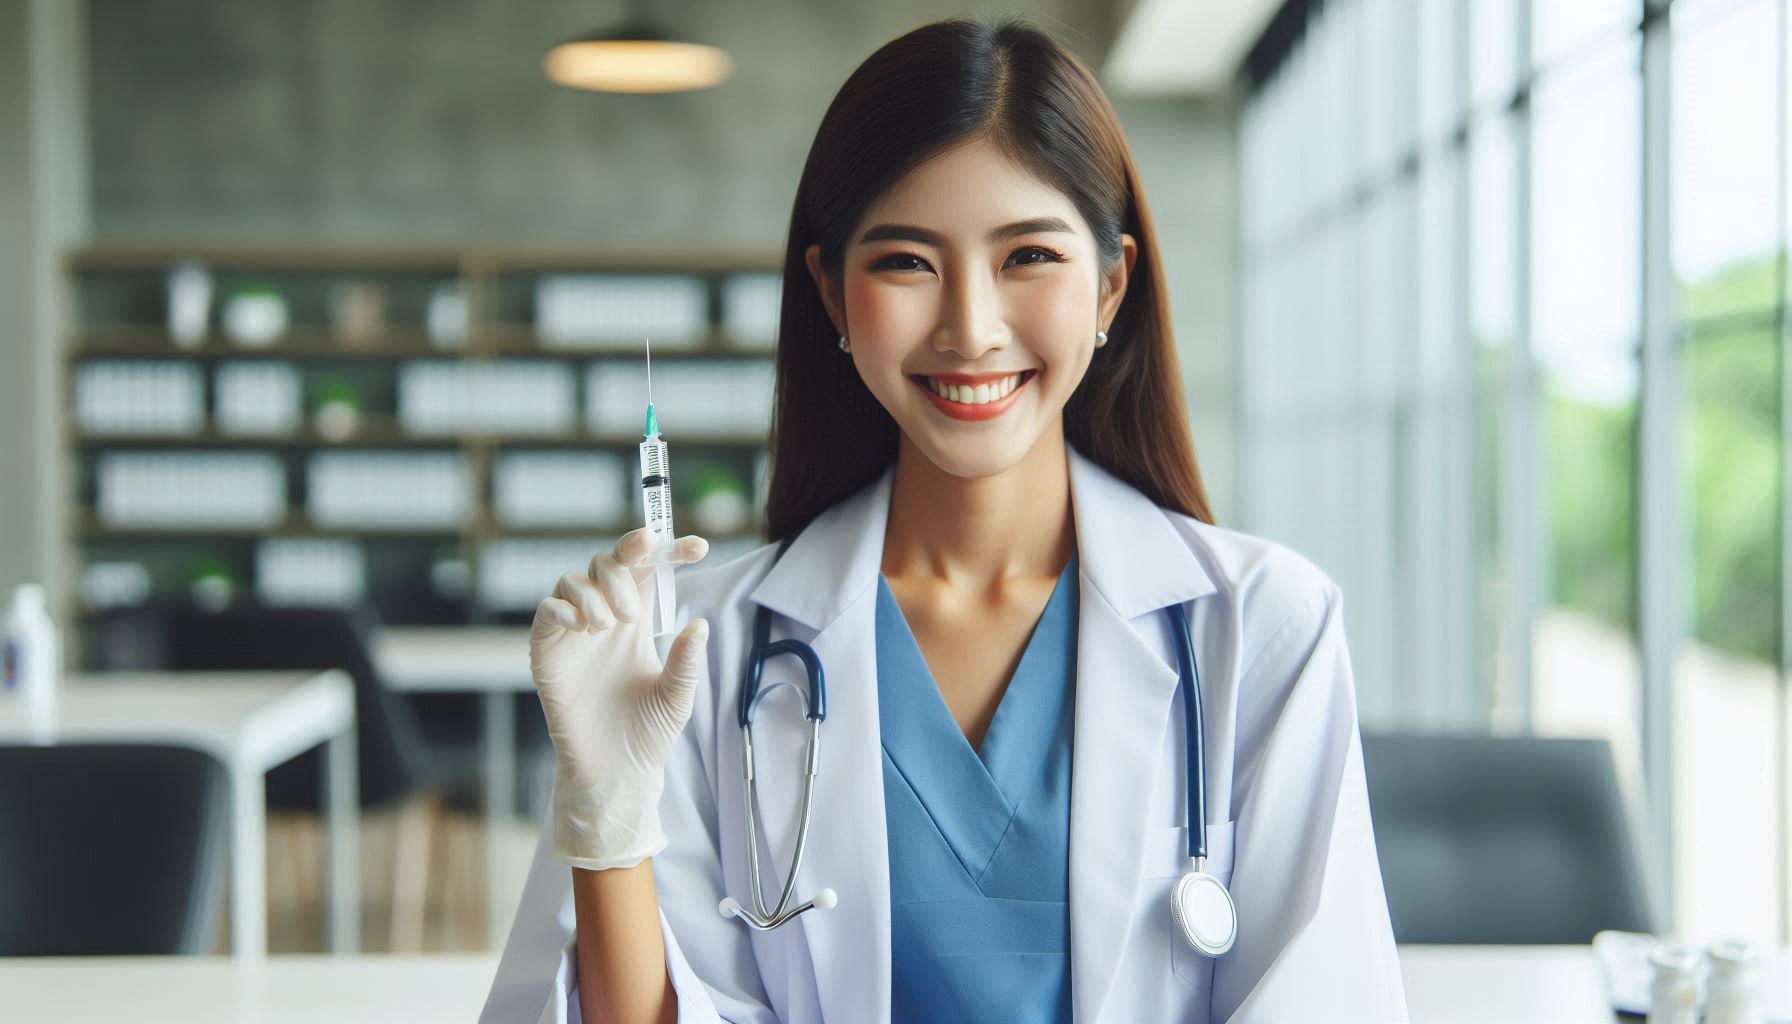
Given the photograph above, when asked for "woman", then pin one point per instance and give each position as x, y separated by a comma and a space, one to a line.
982, 463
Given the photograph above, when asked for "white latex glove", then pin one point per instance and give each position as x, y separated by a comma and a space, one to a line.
613, 710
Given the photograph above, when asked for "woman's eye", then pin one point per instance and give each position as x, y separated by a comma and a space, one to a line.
900, 261
1033, 255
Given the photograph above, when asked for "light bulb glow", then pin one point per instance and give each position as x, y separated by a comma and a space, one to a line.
637, 65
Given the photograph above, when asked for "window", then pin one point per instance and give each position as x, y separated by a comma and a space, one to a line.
1445, 303
1586, 195
1725, 168
1725, 255
1559, 28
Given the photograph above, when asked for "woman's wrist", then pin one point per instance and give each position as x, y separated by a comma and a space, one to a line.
602, 829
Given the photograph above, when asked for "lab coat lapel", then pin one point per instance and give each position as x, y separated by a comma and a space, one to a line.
1133, 564
826, 582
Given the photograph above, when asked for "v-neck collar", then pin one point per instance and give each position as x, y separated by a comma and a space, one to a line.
972, 795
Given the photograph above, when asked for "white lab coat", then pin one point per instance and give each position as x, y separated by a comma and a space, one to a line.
1288, 813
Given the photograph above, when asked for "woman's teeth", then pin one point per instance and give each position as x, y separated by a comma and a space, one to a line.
981, 394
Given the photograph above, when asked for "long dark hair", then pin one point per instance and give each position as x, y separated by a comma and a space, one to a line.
937, 86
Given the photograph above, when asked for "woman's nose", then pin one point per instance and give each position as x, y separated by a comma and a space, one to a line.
971, 321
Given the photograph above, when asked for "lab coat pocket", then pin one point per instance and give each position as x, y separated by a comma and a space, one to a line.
1167, 858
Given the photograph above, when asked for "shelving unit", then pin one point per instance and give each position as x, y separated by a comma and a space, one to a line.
118, 302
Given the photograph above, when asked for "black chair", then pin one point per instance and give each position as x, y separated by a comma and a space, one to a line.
110, 850
392, 759
1502, 840
397, 767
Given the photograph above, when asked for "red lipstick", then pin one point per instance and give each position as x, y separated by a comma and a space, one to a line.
964, 411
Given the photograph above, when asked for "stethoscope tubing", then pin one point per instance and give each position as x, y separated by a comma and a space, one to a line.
1188, 676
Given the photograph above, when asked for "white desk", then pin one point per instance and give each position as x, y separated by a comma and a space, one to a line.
277, 990
492, 661
1504, 984
250, 721
1444, 985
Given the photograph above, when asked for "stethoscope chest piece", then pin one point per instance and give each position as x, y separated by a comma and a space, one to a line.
1204, 913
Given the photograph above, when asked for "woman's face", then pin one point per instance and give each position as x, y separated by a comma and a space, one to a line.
971, 292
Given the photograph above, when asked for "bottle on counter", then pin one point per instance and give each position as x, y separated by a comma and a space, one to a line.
1733, 990
1674, 995
32, 659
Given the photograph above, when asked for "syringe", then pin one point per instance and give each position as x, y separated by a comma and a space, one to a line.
656, 503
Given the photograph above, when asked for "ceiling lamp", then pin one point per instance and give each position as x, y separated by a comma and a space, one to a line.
636, 56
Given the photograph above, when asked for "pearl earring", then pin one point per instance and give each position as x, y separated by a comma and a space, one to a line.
845, 346
1101, 338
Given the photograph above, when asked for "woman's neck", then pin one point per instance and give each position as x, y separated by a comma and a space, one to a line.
977, 533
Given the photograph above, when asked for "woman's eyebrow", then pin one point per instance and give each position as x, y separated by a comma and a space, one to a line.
910, 233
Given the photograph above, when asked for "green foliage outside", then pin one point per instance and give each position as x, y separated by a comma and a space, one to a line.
1589, 448
1730, 478
1732, 457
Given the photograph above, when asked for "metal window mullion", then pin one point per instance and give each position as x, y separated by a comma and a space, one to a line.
1477, 703
1783, 689
1522, 547
1660, 625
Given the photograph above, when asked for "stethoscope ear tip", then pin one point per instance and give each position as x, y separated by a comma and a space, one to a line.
728, 908
825, 900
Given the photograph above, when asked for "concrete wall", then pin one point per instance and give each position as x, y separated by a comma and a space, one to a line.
19, 440
43, 208
402, 121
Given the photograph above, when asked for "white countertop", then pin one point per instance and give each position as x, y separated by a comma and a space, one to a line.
278, 990
1444, 985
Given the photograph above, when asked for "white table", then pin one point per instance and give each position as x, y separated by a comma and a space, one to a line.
1444, 985
278, 990
250, 721
1504, 984
492, 661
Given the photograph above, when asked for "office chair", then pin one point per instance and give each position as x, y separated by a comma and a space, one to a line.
110, 850
1502, 840
397, 767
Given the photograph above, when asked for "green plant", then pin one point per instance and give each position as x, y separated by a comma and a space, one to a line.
335, 390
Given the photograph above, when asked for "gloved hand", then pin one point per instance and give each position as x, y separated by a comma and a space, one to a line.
613, 711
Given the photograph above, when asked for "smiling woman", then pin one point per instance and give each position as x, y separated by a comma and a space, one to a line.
997, 199
992, 537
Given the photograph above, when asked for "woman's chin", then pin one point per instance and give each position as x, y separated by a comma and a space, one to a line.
973, 458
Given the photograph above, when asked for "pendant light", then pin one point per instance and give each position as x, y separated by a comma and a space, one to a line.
636, 56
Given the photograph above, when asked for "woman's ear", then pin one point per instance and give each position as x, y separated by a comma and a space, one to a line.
1113, 282
827, 286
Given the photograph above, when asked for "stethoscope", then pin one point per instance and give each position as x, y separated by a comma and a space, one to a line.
1200, 906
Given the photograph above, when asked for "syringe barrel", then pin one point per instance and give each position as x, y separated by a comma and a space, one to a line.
656, 505
656, 489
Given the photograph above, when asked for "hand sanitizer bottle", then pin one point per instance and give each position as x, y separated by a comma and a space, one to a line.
32, 657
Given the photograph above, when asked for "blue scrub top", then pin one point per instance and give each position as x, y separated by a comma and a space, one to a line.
979, 839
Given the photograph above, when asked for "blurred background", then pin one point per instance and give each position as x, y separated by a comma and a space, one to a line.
321, 365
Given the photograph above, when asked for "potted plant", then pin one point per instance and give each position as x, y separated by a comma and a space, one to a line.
719, 501
211, 582
255, 314
335, 408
